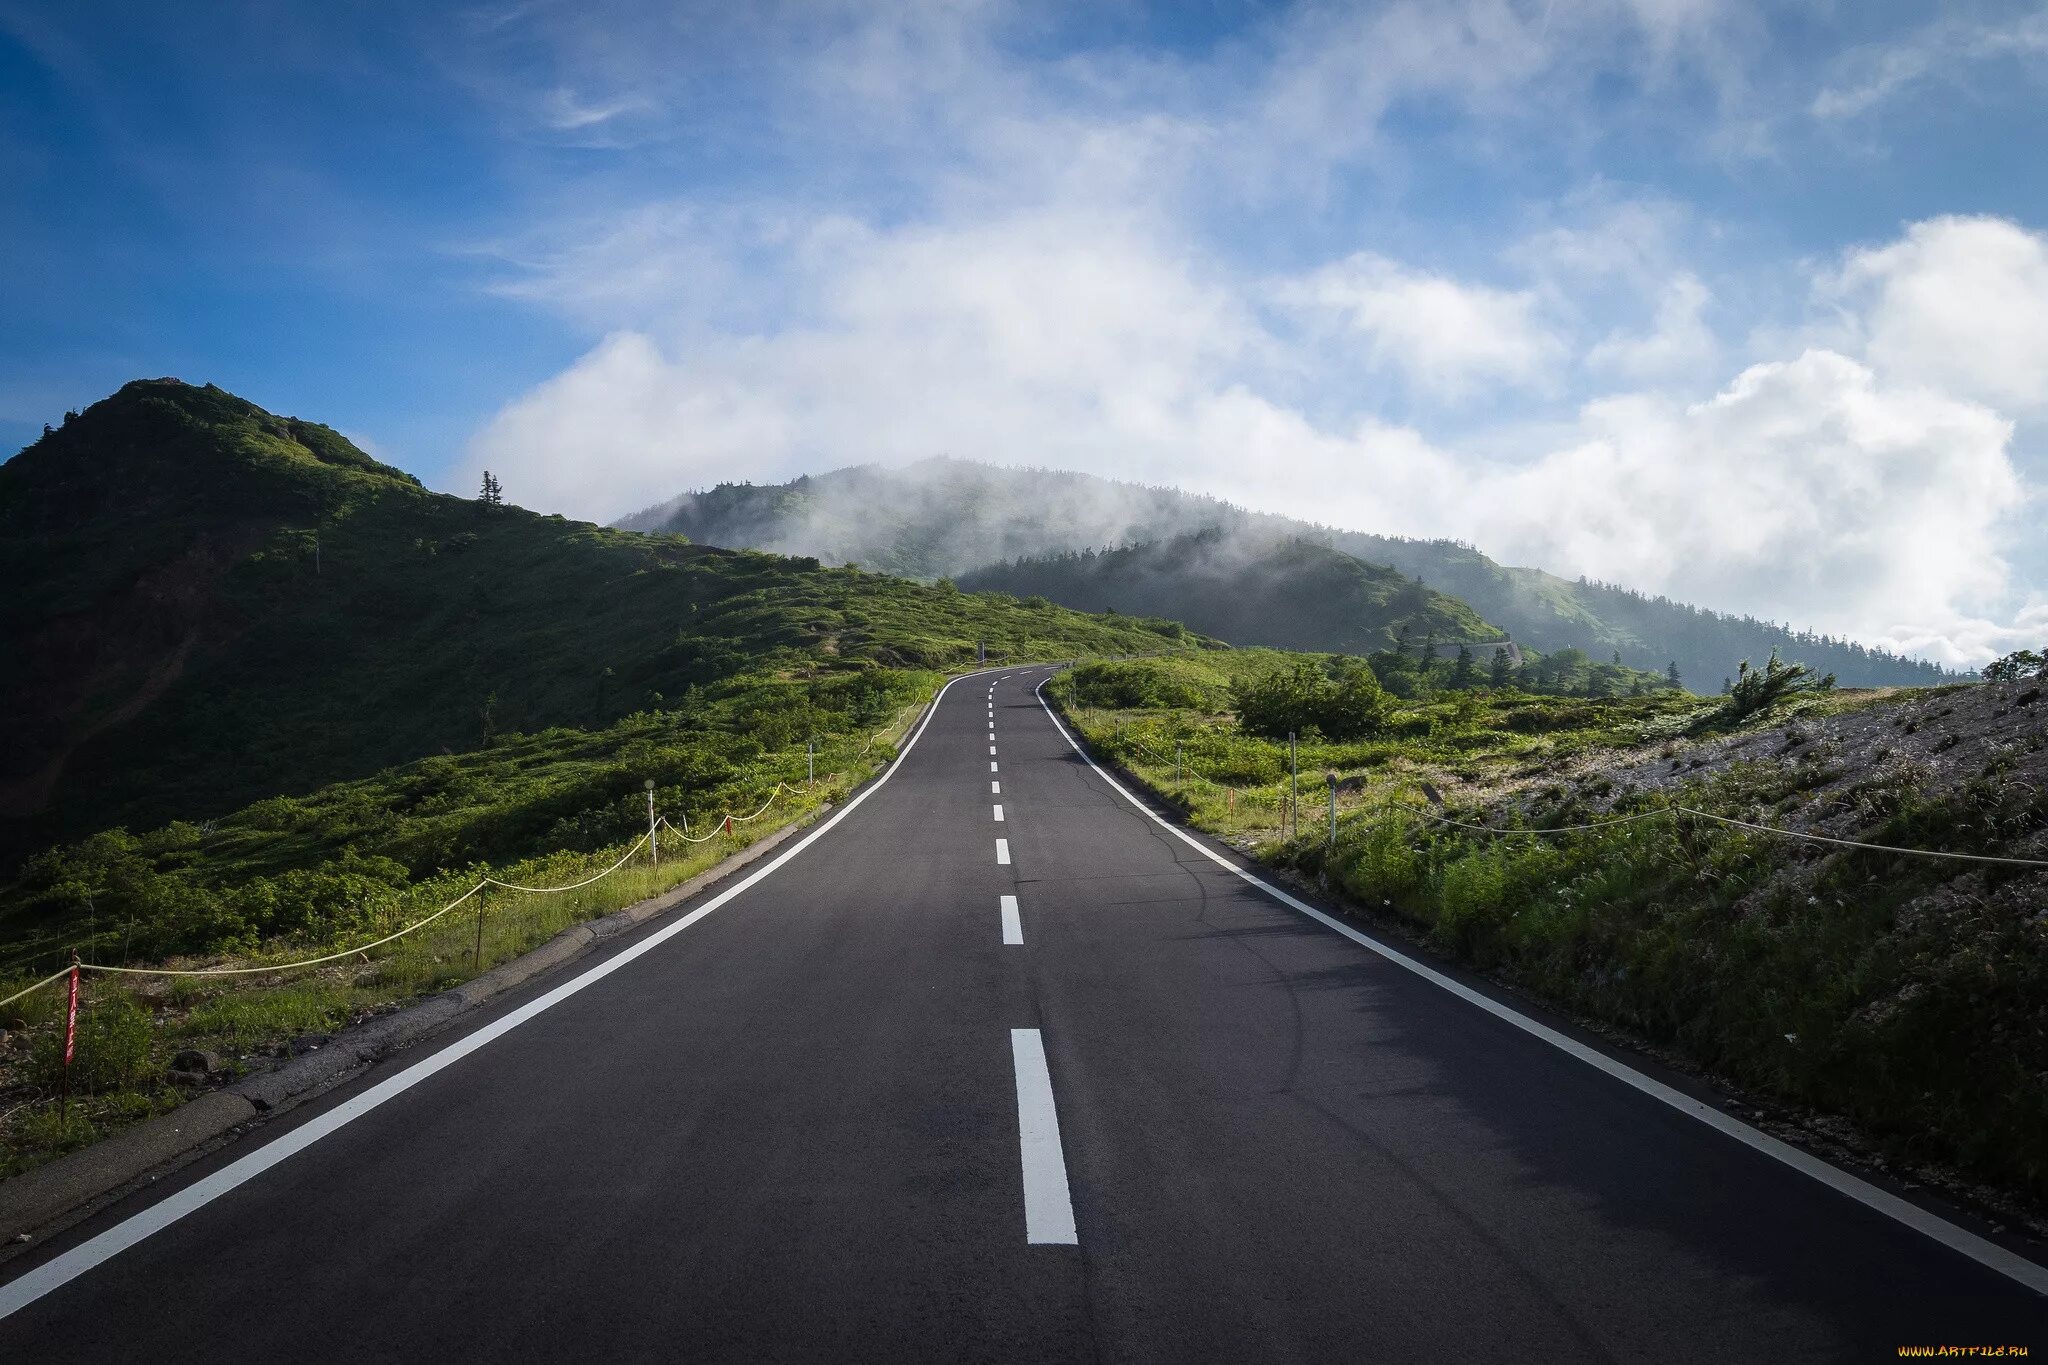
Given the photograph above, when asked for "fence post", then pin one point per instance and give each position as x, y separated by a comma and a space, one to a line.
479, 958
810, 763
70, 1042
653, 840
1176, 760
1333, 811
1293, 786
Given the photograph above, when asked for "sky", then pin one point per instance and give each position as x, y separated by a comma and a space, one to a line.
1744, 303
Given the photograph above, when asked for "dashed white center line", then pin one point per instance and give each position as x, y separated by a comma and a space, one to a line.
991, 767
1002, 853
991, 750
999, 812
1048, 1207
1013, 923
995, 788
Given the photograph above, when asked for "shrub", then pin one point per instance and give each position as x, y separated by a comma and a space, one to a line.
1305, 700
1143, 684
1757, 690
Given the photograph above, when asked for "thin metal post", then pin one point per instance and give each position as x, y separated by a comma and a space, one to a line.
480, 931
1333, 810
1176, 760
1293, 786
810, 762
653, 840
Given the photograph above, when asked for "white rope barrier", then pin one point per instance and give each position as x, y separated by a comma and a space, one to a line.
1189, 769
1745, 824
724, 826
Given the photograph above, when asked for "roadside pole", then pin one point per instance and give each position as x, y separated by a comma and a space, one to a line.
70, 1043
653, 842
1333, 811
1293, 786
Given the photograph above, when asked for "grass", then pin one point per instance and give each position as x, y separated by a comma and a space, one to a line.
132, 1028
1910, 995
280, 613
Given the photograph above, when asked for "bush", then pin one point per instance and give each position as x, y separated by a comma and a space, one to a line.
1143, 684
1759, 689
1305, 700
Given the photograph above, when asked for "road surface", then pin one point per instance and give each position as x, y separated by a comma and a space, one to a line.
997, 1067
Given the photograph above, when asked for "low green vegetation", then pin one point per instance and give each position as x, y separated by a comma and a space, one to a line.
1908, 994
210, 605
1292, 593
294, 878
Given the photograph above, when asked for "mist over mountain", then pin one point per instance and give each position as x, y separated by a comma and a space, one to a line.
947, 517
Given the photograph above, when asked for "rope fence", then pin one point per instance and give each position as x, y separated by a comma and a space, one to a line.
723, 826
1182, 766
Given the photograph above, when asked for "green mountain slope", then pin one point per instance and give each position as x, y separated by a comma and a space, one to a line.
1290, 594
946, 517
209, 604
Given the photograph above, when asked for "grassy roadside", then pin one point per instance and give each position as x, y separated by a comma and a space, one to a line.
1908, 996
132, 1030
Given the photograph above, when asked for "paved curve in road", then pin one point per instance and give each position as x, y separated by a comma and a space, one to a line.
899, 1099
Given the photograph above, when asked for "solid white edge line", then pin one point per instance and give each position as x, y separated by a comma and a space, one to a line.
1986, 1253
61, 1270
1013, 923
1048, 1205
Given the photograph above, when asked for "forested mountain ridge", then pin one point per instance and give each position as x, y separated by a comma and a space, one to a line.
946, 517
1289, 594
209, 604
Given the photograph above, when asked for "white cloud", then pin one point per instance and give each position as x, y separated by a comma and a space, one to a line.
1031, 286
1678, 341
1806, 490
1942, 50
1445, 336
1961, 303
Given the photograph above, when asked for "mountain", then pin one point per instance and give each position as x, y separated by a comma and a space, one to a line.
1290, 594
209, 605
947, 517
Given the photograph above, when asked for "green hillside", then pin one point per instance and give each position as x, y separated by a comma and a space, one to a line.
209, 605
948, 517
1289, 594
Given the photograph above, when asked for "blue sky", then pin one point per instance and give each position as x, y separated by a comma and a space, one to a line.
1746, 303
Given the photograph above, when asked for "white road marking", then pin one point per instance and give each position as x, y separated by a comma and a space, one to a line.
1013, 924
991, 750
1048, 1207
999, 812
995, 788
61, 1270
1985, 1253
991, 767
1002, 852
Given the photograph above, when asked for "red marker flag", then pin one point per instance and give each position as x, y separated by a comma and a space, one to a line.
71, 1018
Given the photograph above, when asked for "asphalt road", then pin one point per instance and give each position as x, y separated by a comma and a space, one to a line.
813, 1126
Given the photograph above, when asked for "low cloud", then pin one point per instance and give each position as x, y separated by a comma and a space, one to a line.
1065, 274
1444, 336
